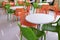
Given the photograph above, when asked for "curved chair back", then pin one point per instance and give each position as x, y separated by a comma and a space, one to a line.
23, 21
4, 3
20, 2
12, 3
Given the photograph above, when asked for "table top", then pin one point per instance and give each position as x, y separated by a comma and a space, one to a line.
40, 18
14, 7
43, 3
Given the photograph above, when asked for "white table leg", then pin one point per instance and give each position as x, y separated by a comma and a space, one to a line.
39, 27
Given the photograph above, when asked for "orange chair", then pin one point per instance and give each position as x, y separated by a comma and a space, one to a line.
43, 9
55, 9
12, 3
22, 15
18, 11
20, 2
39, 10
24, 22
28, 8
4, 3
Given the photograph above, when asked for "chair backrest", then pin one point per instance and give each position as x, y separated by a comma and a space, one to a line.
39, 10
28, 8
20, 2
18, 11
43, 9
23, 21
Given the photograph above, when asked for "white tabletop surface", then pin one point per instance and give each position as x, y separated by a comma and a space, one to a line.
40, 18
43, 3
49, 0
14, 7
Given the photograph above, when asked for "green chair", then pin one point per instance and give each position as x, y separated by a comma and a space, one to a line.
27, 4
9, 11
50, 27
35, 5
31, 33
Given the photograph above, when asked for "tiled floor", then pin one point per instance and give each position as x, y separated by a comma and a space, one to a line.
10, 30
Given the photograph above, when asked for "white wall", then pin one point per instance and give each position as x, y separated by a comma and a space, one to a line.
3, 0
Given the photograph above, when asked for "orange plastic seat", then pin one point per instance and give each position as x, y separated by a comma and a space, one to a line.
20, 2
4, 3
39, 10
12, 3
24, 22
18, 11
43, 9
55, 8
22, 15
28, 8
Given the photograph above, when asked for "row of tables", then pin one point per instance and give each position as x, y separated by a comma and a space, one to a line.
39, 18
15, 7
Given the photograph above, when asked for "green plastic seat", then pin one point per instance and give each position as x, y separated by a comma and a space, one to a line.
9, 11
31, 33
50, 27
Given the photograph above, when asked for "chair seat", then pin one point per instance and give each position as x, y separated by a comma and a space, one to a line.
49, 27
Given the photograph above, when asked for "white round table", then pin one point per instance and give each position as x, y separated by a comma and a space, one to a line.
40, 19
43, 3
15, 7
